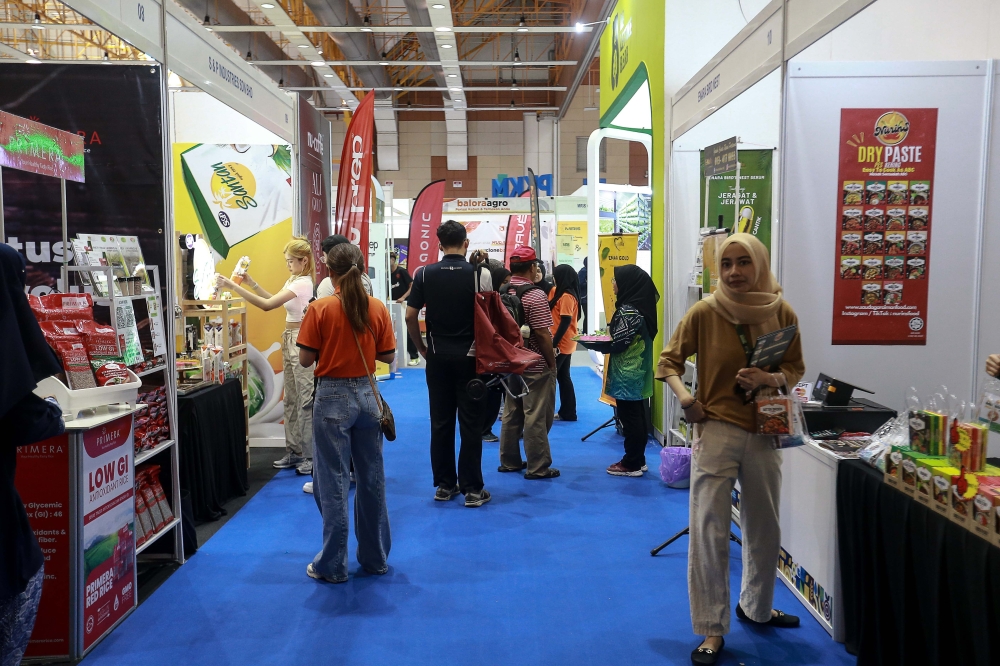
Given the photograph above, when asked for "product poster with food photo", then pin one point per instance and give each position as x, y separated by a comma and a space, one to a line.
883, 226
108, 527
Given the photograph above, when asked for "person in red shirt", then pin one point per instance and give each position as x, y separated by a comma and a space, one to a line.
564, 301
343, 336
531, 414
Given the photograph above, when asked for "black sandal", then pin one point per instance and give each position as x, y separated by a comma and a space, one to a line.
704, 655
781, 621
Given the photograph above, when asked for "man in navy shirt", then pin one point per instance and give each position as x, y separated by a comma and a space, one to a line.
447, 290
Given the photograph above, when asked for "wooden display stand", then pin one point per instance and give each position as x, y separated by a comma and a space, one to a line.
233, 354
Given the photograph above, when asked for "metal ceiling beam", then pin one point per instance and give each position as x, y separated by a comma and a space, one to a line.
388, 29
421, 63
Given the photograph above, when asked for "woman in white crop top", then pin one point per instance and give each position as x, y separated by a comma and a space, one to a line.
294, 296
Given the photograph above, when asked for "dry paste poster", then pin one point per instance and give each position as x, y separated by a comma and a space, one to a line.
884, 223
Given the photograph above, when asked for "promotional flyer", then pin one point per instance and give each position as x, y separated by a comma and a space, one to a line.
108, 512
883, 226
42, 481
755, 195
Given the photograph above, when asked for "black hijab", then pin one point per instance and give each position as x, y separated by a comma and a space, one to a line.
26, 358
636, 288
498, 273
566, 283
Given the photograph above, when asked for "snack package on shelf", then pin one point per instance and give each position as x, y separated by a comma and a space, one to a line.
143, 525
968, 446
76, 365
892, 436
155, 514
152, 426
942, 479
62, 307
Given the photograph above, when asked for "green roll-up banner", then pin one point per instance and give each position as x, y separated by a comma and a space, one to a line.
755, 195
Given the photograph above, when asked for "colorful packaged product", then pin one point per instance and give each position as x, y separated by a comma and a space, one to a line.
773, 414
942, 479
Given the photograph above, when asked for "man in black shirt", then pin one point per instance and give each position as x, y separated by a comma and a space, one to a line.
447, 290
400, 283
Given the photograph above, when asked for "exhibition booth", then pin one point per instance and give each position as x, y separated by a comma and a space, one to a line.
842, 148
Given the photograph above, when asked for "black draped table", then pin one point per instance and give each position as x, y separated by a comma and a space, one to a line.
212, 444
917, 588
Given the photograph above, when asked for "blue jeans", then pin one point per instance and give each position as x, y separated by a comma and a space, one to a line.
345, 426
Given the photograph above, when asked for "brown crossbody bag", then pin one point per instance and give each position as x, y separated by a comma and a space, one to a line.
386, 420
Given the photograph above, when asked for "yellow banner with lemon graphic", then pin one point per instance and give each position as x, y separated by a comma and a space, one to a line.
240, 199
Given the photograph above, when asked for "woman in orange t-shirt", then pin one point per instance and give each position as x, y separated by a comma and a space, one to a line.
564, 301
343, 336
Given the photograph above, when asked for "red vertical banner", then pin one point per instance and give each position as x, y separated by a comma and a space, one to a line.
354, 186
42, 481
883, 228
425, 218
518, 231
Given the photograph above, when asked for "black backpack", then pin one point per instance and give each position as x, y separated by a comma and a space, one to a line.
511, 300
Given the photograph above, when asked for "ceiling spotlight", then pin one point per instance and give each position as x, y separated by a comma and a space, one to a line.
249, 55
33, 61
517, 57
366, 29
513, 107
266, 5
522, 26
579, 27
384, 63
106, 57
443, 28
328, 76
453, 76
281, 82
513, 85
437, 5
301, 46
398, 89
446, 46
317, 63
207, 23
458, 90
368, 23
38, 22
319, 51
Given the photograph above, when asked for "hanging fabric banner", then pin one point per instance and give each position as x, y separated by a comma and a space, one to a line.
425, 218
354, 185
883, 226
518, 230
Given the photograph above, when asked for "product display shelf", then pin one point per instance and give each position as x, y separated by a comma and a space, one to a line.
675, 436
167, 529
151, 371
230, 309
143, 456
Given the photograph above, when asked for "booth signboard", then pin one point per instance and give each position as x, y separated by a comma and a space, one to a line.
31, 146
883, 226
719, 157
314, 180
42, 481
755, 187
108, 509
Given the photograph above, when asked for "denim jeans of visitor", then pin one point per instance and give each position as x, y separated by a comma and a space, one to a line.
345, 426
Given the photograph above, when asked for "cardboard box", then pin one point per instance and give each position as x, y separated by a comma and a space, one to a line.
942, 479
961, 502
923, 491
984, 513
908, 471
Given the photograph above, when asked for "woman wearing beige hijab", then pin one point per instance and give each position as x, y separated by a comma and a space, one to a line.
748, 301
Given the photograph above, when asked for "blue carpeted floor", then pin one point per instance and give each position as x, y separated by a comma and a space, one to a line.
550, 572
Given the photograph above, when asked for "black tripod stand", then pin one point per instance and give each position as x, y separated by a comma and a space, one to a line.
686, 530
607, 424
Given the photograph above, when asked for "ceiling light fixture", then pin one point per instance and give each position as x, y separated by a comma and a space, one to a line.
319, 51
33, 61
579, 27
446, 46
328, 76
249, 55
437, 5
38, 22
513, 85
453, 76
517, 57
366, 29
443, 28
458, 90
513, 107
266, 5
384, 63
301, 46
317, 63
106, 57
398, 89
368, 23
207, 23
522, 26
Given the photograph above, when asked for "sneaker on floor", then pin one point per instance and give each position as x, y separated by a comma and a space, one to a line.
289, 461
413, 362
550, 473
312, 573
490, 437
306, 468
443, 494
618, 469
477, 499
645, 468
307, 487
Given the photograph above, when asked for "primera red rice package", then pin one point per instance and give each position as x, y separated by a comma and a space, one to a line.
155, 515
76, 364
71, 307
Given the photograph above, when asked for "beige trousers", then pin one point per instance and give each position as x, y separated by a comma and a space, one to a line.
723, 454
531, 415
298, 392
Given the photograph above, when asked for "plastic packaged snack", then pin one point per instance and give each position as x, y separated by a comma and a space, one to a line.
773, 414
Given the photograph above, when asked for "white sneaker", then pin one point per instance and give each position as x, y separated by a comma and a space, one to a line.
413, 362
307, 487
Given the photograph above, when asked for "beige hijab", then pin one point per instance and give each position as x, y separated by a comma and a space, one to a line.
753, 307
